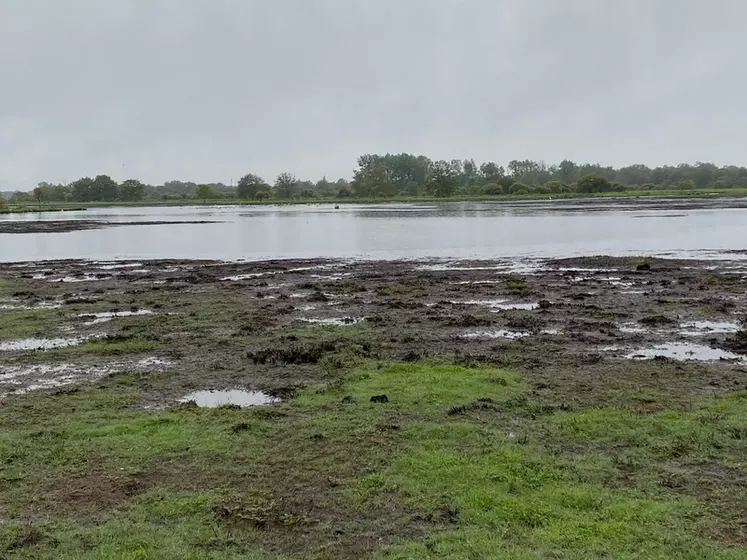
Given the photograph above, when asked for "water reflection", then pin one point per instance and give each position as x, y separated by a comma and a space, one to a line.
486, 230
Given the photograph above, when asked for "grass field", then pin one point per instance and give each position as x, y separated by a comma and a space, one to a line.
455, 465
700, 193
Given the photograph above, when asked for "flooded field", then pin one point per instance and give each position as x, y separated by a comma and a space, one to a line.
469, 230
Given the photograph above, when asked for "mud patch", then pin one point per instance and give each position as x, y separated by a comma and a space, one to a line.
63, 226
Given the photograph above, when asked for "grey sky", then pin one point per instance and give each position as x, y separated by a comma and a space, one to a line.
207, 90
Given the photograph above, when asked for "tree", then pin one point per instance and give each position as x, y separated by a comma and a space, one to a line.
131, 190
38, 194
443, 180
204, 192
83, 190
593, 183
372, 177
3, 205
285, 185
105, 188
249, 185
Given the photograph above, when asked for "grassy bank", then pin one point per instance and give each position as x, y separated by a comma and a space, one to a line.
692, 194
60, 207
458, 464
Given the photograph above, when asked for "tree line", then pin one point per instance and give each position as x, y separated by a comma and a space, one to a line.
392, 175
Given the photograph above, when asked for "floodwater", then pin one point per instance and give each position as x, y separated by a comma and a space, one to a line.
215, 399
485, 230
683, 351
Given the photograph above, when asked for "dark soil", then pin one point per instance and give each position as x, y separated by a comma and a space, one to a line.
61, 226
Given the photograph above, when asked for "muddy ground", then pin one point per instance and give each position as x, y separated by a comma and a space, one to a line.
62, 226
569, 325
649, 334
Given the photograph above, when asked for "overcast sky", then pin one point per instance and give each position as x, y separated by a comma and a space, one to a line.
207, 90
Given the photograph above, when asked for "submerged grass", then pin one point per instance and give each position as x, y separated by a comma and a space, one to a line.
448, 467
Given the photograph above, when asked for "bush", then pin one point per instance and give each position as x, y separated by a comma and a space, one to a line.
492, 189
519, 188
262, 195
555, 187
593, 183
344, 192
3, 205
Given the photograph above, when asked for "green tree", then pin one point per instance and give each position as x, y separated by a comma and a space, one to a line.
593, 183
249, 185
131, 190
3, 205
83, 190
373, 177
105, 188
285, 185
444, 179
38, 194
204, 192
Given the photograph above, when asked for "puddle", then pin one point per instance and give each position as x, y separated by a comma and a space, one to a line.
588, 270
499, 333
700, 328
215, 399
332, 277
631, 328
107, 266
683, 351
510, 267
97, 318
147, 363
247, 276
84, 278
335, 321
39, 344
500, 304
20, 380
11, 305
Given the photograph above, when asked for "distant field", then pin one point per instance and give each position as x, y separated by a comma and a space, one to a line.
57, 206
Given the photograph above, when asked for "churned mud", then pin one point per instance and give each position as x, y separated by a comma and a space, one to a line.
577, 327
61, 226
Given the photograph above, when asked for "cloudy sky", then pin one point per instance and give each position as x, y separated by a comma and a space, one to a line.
207, 90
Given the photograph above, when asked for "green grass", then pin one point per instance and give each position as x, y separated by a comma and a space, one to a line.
7, 287
108, 347
450, 467
29, 323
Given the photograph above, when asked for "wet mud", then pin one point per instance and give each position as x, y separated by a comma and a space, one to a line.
62, 226
583, 331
